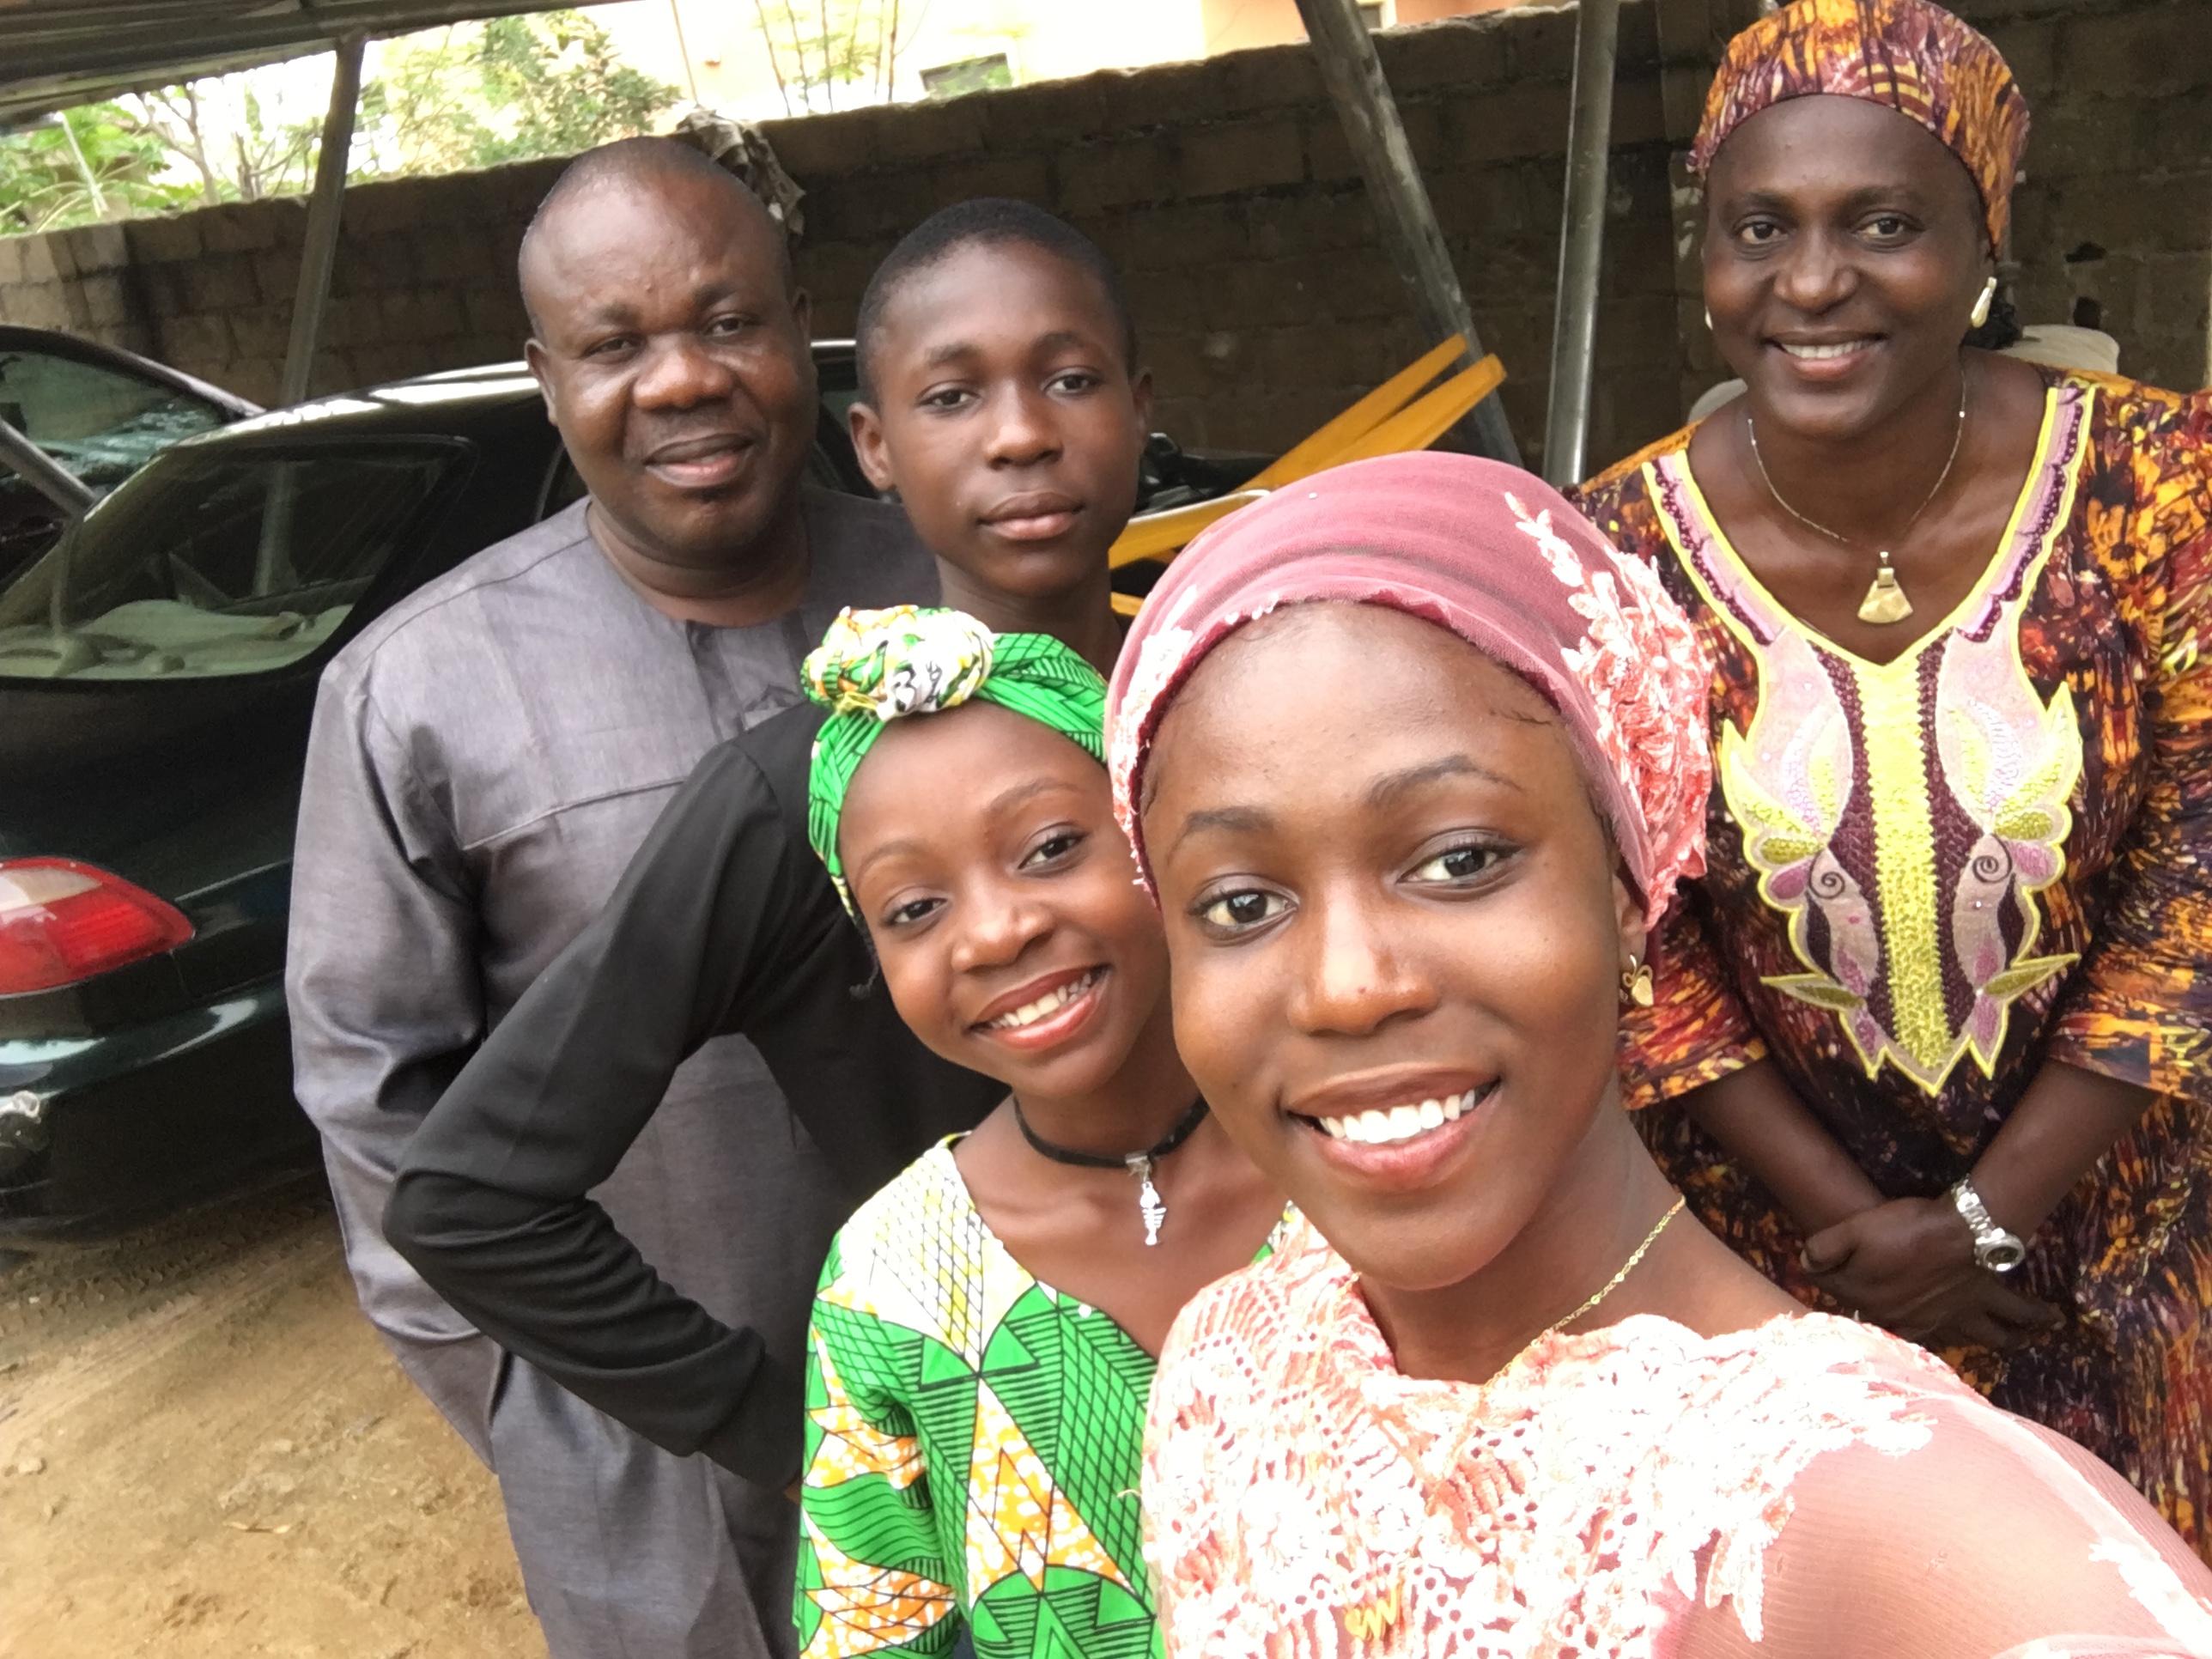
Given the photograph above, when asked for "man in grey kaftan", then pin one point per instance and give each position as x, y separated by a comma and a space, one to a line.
486, 757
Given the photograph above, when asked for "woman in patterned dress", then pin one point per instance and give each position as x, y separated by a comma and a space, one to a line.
1941, 995
983, 1337
1414, 761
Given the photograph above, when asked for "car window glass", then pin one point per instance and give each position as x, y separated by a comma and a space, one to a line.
101, 424
218, 561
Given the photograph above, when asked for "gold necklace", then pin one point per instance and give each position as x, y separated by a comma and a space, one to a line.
1885, 600
1615, 1283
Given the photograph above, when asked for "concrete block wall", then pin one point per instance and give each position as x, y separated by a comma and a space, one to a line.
1225, 194
424, 279
2113, 226
1223, 188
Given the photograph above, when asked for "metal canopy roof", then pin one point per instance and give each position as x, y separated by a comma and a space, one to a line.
56, 53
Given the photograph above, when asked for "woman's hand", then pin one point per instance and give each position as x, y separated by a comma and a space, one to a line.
1908, 1264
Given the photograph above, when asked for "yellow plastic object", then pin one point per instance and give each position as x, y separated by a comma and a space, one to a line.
1426, 419
1384, 423
1312, 453
1157, 533
1126, 605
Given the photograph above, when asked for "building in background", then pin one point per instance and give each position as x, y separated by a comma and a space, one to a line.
762, 58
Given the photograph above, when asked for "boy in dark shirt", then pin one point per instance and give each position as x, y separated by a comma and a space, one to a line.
1002, 399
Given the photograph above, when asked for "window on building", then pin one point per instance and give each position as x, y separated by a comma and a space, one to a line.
969, 75
1372, 16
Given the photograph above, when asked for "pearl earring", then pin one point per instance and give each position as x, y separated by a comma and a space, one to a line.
1709, 319
1980, 313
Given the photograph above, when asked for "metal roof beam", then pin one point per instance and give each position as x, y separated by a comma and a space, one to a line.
55, 54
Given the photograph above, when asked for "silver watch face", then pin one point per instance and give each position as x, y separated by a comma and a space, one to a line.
2000, 1255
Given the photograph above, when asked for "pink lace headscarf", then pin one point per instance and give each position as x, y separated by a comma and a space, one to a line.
1499, 558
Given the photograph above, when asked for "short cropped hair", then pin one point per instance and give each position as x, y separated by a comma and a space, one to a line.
987, 221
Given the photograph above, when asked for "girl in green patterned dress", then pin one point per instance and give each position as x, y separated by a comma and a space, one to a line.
984, 1337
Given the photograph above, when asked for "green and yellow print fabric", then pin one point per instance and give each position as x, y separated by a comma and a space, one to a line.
974, 1444
876, 667
1928, 878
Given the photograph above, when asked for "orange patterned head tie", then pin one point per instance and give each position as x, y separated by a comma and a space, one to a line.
1914, 57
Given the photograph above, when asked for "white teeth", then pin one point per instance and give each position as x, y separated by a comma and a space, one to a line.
1051, 1002
1382, 1129
1820, 353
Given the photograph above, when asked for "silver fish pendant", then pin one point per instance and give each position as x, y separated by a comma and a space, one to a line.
1148, 1196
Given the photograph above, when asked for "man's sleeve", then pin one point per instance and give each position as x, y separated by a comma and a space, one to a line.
385, 1000
716, 926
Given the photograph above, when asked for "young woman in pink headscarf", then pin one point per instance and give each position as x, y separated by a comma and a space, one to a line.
1413, 762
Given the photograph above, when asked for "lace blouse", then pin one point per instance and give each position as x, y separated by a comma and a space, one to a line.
1808, 1486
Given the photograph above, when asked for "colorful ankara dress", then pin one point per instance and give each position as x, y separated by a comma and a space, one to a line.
1633, 1490
973, 1444
1928, 879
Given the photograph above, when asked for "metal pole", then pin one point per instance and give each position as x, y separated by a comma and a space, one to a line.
44, 474
1582, 240
675, 16
320, 251
1353, 75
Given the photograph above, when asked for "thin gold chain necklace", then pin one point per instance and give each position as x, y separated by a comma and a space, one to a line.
1885, 600
1616, 1281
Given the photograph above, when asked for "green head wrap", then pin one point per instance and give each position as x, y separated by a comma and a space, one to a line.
872, 667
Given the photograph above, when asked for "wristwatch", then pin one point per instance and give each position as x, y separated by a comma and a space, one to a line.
1995, 1247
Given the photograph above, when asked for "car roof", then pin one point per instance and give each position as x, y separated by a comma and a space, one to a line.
455, 401
14, 337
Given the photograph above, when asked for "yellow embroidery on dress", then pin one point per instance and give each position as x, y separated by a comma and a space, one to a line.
2006, 759
1018, 1521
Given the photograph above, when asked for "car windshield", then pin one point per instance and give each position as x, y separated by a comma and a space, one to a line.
101, 423
218, 560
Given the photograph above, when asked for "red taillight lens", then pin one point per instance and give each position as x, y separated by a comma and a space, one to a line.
62, 921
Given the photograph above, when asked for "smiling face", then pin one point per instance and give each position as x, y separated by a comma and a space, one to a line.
673, 354
985, 862
1003, 410
1844, 248
1396, 931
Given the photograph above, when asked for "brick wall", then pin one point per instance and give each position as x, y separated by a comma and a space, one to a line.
1225, 192
2115, 221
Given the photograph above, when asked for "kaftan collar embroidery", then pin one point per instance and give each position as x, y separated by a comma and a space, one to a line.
1902, 816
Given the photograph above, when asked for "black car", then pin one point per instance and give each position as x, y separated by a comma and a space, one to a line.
99, 413
157, 677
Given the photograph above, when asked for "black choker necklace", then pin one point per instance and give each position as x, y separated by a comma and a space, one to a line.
1138, 1164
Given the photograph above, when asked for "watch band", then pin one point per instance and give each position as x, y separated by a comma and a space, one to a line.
1996, 1247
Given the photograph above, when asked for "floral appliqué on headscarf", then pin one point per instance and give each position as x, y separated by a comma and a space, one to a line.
1643, 663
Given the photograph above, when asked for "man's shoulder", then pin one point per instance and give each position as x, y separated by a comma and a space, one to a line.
438, 608
772, 759
866, 552
865, 517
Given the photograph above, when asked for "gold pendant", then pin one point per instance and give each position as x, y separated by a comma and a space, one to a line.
1885, 601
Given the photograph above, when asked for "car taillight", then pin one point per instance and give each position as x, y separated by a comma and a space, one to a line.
62, 921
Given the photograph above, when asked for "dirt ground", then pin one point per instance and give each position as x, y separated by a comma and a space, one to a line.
204, 1453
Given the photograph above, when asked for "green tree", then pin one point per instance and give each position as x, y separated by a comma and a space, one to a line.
508, 90
80, 167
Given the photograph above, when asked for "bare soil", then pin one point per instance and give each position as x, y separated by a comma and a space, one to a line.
206, 1453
